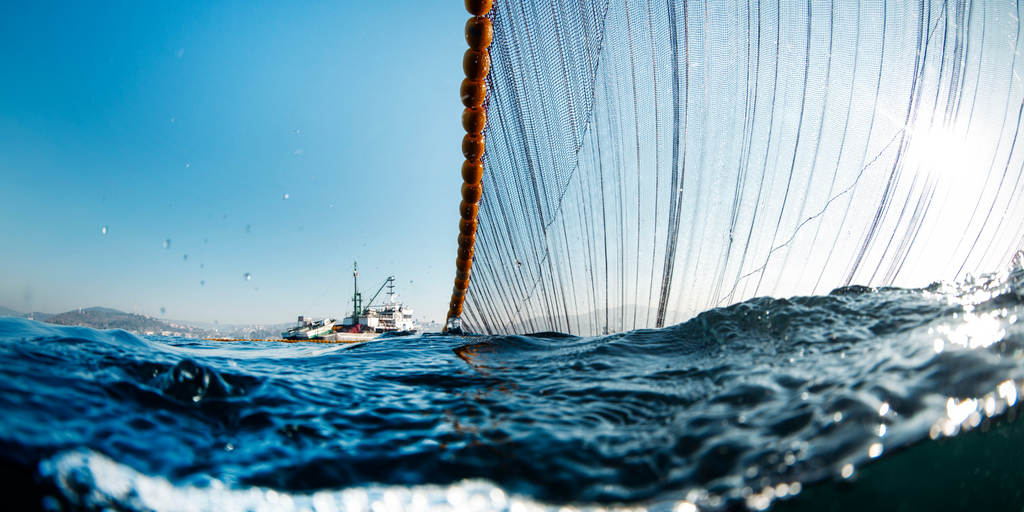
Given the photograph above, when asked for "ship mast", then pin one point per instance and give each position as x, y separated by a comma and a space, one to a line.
357, 298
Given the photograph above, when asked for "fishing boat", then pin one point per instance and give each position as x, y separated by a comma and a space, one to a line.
309, 329
391, 316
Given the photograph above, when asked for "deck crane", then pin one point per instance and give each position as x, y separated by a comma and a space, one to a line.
387, 281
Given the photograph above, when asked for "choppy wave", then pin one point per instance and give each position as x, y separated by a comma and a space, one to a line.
736, 408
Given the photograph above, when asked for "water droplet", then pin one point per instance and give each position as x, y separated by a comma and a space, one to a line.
200, 265
186, 257
874, 452
186, 165
248, 228
284, 197
248, 276
167, 243
202, 283
163, 310
104, 230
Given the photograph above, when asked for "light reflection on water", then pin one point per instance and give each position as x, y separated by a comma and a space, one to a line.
117, 486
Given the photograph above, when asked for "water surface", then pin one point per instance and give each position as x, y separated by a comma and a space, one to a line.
728, 410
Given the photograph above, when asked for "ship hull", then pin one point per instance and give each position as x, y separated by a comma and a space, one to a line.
350, 337
310, 333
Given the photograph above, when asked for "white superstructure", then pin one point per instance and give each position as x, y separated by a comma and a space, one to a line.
388, 317
391, 316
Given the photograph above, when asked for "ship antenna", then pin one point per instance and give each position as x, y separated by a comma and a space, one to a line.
391, 288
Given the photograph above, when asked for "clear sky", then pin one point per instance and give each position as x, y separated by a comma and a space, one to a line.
154, 154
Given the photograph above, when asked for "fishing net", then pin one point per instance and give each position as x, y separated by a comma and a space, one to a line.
649, 160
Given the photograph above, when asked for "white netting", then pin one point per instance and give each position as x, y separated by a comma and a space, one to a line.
648, 160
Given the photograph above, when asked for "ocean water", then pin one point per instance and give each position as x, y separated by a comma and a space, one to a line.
805, 403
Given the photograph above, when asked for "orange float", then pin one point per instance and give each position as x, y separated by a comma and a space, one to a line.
479, 7
473, 146
479, 33
472, 92
472, 171
455, 309
473, 119
476, 64
468, 211
471, 193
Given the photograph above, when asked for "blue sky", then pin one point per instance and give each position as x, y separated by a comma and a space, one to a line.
191, 122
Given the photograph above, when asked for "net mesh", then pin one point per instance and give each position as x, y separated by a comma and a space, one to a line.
649, 160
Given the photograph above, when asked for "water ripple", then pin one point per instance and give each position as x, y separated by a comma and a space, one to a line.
733, 407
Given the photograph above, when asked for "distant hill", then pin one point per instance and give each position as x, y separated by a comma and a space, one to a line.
109, 311
106, 318
8, 312
32, 316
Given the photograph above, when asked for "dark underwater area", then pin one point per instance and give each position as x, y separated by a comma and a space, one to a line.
882, 399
